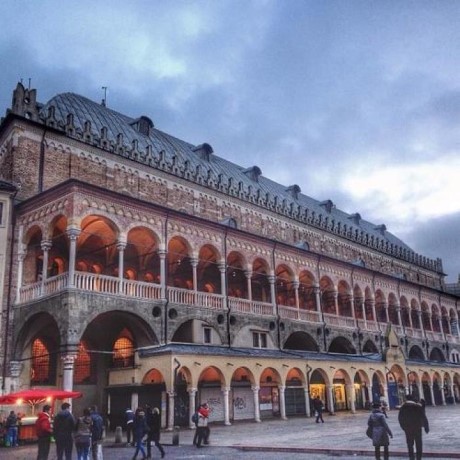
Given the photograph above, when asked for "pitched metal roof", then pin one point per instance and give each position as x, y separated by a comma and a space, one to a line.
180, 152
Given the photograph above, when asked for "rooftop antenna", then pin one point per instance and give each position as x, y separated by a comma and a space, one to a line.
30, 80
104, 101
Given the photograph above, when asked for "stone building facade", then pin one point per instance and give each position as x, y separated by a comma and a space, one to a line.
139, 268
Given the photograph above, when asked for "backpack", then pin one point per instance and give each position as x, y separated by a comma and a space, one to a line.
195, 418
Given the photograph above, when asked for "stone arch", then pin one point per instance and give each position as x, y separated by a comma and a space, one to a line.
341, 345
260, 283
180, 272
191, 331
327, 295
370, 347
307, 290
416, 353
237, 285
437, 355
284, 286
301, 341
208, 271
344, 295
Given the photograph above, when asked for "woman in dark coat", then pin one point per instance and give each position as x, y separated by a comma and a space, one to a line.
154, 424
381, 433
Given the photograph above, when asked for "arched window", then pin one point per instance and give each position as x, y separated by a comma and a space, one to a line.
43, 369
123, 352
82, 366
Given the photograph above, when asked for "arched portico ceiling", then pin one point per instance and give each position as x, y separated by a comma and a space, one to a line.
341, 374
295, 375
270, 375
38, 325
211, 374
104, 329
153, 376
242, 375
319, 375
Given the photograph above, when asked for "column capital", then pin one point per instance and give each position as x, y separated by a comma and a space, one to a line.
73, 232
281, 388
194, 261
46, 245
255, 388
121, 245
192, 390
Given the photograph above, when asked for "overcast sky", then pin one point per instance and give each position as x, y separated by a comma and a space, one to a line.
354, 101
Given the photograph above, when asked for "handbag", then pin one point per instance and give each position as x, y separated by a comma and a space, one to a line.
369, 432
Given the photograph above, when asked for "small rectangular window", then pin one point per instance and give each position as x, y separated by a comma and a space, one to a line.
207, 335
259, 339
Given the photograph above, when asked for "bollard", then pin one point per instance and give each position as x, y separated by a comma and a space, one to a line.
118, 435
175, 436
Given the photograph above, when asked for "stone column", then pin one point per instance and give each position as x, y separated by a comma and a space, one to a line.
330, 398
420, 322
194, 264
15, 372
68, 362
281, 390
223, 282
452, 390
121, 245
336, 302
271, 280
21, 257
385, 395
226, 395
255, 390
374, 313
432, 394
248, 275
317, 291
352, 307
72, 233
443, 396
191, 406
398, 312
385, 309
134, 401
351, 393
171, 408
45, 246
431, 321
296, 285
307, 401
162, 256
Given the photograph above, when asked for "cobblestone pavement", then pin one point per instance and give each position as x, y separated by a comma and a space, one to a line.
342, 435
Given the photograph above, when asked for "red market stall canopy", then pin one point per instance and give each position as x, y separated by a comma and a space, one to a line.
36, 396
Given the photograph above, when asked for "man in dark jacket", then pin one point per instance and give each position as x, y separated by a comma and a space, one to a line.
412, 419
64, 425
97, 430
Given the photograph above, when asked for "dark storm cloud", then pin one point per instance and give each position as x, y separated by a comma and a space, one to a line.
440, 238
321, 94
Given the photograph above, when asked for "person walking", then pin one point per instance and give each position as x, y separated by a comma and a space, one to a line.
319, 407
129, 419
11, 424
83, 435
412, 419
44, 432
97, 430
63, 428
379, 431
202, 430
153, 421
140, 429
